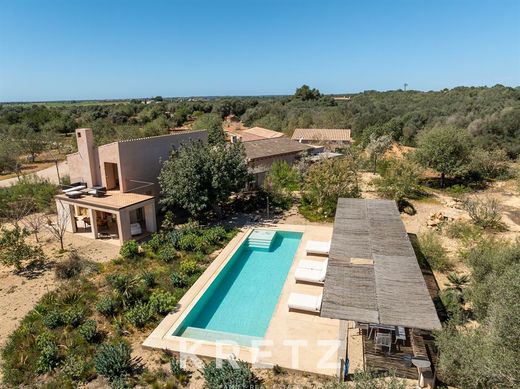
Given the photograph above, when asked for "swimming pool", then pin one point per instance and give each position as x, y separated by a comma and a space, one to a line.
239, 303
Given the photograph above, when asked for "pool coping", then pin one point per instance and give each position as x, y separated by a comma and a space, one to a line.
161, 337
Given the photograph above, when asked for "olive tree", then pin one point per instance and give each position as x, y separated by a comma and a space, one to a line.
328, 180
446, 150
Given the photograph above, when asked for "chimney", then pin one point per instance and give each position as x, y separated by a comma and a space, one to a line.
87, 152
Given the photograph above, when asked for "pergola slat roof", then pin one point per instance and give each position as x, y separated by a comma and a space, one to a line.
390, 291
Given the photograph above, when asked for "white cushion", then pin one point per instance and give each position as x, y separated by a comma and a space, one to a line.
317, 247
304, 302
310, 264
310, 275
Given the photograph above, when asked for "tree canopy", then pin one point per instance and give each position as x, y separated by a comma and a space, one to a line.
199, 177
446, 150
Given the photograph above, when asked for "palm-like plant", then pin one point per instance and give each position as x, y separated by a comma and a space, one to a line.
457, 283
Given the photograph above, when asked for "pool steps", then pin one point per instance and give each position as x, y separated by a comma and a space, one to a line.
219, 336
262, 239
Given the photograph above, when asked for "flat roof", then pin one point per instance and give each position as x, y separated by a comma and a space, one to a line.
113, 200
373, 275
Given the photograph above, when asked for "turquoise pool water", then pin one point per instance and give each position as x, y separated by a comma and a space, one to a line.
239, 303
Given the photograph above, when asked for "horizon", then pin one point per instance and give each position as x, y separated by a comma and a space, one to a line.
117, 99
92, 50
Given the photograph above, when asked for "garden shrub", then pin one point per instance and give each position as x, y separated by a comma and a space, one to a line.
77, 368
139, 314
432, 249
129, 250
15, 251
167, 253
189, 267
73, 316
162, 302
178, 280
214, 235
69, 268
181, 374
107, 306
49, 353
232, 374
53, 319
461, 230
149, 279
155, 242
125, 285
88, 330
114, 360
485, 213
192, 242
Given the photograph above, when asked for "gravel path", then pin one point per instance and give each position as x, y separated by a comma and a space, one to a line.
47, 174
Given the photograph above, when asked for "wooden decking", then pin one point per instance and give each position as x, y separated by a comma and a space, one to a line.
394, 361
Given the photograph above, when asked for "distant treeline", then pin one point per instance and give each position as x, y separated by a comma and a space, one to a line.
490, 115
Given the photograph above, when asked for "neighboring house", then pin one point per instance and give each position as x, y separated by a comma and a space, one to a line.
261, 154
116, 185
252, 134
332, 137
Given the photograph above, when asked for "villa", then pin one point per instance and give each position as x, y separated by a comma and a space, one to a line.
313, 298
261, 154
116, 185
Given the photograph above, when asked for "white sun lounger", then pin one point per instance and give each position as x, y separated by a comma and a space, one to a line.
312, 276
304, 302
310, 264
317, 247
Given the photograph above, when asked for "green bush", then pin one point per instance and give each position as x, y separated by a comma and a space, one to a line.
69, 268
107, 306
432, 249
189, 267
114, 361
39, 191
181, 374
139, 314
129, 250
73, 316
89, 331
232, 374
15, 251
192, 242
462, 230
53, 319
155, 242
178, 280
167, 253
214, 235
77, 368
49, 353
485, 213
149, 279
162, 302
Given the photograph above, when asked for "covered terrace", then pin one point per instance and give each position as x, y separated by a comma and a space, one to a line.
374, 280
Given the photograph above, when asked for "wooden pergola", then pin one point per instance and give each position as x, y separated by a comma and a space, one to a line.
373, 275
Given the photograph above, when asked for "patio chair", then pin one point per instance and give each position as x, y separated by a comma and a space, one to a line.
310, 275
400, 334
313, 265
74, 188
304, 302
317, 247
383, 340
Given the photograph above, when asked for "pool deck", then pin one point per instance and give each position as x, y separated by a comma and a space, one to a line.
294, 340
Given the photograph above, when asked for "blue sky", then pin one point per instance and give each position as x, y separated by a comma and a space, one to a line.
87, 49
